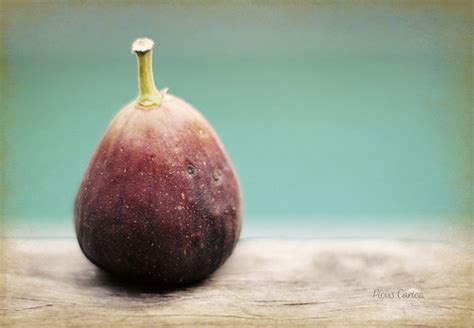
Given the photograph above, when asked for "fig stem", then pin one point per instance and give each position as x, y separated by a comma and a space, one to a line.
148, 94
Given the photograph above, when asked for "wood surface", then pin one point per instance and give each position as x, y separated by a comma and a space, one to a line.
266, 282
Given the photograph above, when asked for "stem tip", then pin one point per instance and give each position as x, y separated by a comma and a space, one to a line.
142, 45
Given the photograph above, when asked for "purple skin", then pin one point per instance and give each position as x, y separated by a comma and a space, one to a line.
160, 200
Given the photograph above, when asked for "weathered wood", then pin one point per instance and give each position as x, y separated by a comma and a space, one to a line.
265, 282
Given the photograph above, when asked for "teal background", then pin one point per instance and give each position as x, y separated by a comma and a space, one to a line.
342, 120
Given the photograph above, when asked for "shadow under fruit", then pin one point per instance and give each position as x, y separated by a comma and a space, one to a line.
159, 201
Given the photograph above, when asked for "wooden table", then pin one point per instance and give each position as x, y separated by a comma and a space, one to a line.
265, 282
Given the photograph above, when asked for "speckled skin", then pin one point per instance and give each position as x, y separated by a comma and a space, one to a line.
160, 201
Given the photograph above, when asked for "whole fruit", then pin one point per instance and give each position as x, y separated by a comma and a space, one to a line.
159, 201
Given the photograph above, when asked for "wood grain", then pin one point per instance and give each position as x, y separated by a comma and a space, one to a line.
49, 283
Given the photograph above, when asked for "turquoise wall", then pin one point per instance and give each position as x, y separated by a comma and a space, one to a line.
341, 120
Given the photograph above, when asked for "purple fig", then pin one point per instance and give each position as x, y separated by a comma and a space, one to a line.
160, 200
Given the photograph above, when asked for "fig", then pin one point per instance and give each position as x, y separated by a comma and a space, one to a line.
160, 200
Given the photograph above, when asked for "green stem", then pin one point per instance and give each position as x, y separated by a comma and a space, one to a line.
148, 95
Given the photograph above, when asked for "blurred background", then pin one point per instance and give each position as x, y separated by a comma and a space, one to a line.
342, 120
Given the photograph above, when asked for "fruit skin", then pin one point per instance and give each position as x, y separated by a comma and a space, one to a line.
160, 200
